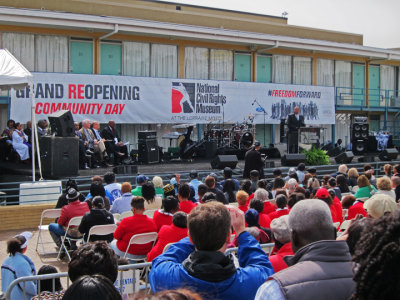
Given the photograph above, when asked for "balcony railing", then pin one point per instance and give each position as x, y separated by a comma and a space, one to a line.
367, 98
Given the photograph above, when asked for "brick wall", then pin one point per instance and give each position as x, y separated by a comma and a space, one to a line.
23, 216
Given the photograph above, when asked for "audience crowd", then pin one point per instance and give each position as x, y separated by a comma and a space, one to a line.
334, 236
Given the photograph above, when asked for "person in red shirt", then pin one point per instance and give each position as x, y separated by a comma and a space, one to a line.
263, 195
281, 233
337, 205
356, 208
281, 203
185, 204
170, 234
129, 226
323, 194
241, 198
263, 219
164, 216
74, 208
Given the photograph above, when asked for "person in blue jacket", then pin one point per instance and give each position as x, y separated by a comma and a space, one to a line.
18, 265
199, 261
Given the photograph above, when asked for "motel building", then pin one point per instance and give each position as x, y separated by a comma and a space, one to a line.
169, 40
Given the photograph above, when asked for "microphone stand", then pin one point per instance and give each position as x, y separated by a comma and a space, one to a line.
261, 109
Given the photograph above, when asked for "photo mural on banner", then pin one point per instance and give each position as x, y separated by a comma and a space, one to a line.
146, 100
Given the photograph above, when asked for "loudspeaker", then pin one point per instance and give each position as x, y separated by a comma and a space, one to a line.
359, 131
148, 152
147, 135
59, 156
293, 159
388, 154
126, 169
62, 123
222, 161
359, 147
271, 152
344, 158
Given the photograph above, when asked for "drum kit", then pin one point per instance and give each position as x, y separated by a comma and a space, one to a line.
238, 136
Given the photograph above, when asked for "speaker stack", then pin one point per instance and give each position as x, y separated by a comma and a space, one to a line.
359, 134
62, 123
148, 150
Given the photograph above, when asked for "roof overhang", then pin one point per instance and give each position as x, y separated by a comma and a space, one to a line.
51, 19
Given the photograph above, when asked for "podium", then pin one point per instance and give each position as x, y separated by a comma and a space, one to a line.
304, 139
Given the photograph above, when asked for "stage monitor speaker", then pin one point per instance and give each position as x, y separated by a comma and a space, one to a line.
59, 156
148, 152
293, 159
222, 161
366, 158
126, 169
62, 123
271, 152
344, 158
388, 154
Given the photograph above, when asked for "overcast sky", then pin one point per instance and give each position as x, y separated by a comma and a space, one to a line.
377, 20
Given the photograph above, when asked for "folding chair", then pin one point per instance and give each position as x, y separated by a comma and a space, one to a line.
75, 221
344, 225
101, 230
345, 213
140, 239
336, 224
125, 214
268, 248
117, 217
167, 247
150, 212
48, 214
355, 188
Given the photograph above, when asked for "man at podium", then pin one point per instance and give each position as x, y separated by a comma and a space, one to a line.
294, 122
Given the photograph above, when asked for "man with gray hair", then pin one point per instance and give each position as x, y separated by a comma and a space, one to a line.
342, 170
92, 143
263, 195
321, 267
281, 233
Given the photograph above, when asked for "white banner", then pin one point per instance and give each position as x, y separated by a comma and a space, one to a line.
145, 100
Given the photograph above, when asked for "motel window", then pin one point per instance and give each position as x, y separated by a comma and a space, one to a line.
342, 74
302, 70
325, 72
264, 68
164, 61
221, 64
110, 58
51, 53
81, 56
136, 59
242, 67
22, 46
282, 68
197, 62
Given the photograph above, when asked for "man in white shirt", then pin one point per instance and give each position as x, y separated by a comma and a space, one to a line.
112, 186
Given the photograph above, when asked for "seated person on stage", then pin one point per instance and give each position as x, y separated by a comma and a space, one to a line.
123, 203
20, 143
75, 208
203, 265
28, 131
185, 204
115, 147
129, 226
92, 143
6, 139
169, 234
42, 128
164, 216
97, 216
82, 149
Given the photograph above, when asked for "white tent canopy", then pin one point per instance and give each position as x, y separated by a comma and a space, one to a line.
14, 75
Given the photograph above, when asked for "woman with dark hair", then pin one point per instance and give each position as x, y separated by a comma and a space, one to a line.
377, 257
164, 216
18, 265
245, 185
279, 183
62, 200
229, 190
92, 287
97, 189
149, 194
49, 288
341, 183
20, 143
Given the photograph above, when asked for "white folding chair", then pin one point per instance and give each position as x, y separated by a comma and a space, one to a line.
46, 214
117, 217
344, 225
268, 248
75, 221
336, 224
167, 247
125, 214
140, 239
345, 213
101, 230
355, 188
149, 212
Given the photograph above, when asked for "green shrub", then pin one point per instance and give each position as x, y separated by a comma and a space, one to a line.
315, 157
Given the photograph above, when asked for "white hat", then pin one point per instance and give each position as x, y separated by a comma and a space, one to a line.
27, 235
